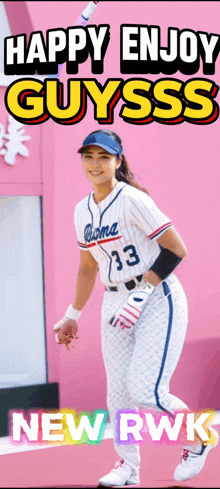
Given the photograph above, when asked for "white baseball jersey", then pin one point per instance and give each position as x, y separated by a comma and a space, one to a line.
120, 232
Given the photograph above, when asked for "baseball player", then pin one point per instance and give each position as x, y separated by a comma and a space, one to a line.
122, 234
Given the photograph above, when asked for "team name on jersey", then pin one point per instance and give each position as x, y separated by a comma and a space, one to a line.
91, 234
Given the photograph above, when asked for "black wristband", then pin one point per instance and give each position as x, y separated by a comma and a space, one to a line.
165, 263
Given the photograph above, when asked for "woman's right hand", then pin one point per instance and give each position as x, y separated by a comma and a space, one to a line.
65, 331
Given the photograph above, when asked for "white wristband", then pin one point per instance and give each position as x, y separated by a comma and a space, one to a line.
72, 313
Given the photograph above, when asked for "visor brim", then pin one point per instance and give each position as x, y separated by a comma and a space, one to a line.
103, 146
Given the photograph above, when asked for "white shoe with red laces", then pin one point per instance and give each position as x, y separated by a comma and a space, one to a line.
121, 475
192, 463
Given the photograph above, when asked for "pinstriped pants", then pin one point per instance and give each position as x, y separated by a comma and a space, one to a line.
140, 362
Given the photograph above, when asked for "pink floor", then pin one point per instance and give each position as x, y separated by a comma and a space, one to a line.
83, 465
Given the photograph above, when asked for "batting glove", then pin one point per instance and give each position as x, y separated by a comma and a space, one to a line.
129, 313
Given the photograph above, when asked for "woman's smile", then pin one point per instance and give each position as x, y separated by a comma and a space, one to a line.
95, 172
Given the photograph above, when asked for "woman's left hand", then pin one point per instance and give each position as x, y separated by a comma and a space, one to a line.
129, 313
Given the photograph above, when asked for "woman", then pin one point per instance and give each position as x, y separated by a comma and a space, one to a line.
122, 234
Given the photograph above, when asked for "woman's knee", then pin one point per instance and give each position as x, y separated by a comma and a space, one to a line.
140, 392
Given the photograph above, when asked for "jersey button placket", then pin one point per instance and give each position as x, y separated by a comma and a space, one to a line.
99, 245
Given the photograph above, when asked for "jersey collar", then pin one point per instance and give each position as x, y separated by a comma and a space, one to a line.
105, 203
110, 196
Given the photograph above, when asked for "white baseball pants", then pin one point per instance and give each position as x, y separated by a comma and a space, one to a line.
140, 362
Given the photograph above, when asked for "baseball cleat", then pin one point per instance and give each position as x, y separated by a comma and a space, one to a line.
192, 463
121, 475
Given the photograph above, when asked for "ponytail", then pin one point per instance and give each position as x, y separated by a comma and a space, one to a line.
124, 174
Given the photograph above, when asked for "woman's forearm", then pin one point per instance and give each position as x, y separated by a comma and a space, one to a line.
85, 282
173, 250
152, 277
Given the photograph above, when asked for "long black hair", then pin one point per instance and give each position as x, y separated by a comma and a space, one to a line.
123, 173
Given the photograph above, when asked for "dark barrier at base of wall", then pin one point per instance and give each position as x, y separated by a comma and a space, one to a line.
42, 396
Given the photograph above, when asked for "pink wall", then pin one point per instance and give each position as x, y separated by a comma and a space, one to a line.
26, 171
179, 165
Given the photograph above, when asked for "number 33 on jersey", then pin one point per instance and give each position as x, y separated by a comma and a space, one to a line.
120, 232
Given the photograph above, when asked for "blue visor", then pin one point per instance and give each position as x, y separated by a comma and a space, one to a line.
104, 141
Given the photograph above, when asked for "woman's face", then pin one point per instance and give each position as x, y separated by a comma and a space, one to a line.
99, 166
